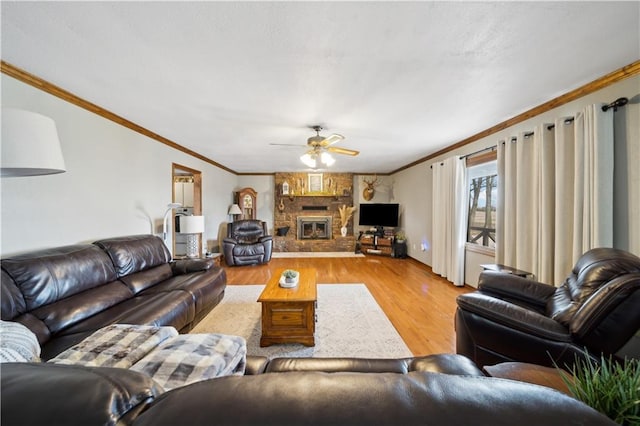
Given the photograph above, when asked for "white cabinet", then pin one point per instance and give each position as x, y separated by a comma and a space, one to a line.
184, 193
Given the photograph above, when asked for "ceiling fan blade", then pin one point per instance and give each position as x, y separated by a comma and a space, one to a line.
331, 139
345, 151
287, 144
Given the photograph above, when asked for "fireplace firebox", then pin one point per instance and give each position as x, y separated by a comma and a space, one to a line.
314, 227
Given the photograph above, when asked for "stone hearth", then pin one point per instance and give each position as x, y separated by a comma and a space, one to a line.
299, 204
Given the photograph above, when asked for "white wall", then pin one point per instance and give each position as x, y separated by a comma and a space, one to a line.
118, 182
413, 186
264, 185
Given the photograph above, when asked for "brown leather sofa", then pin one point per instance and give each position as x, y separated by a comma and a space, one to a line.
247, 243
596, 309
435, 389
64, 294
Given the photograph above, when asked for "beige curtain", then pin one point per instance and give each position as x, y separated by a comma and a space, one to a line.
555, 194
450, 194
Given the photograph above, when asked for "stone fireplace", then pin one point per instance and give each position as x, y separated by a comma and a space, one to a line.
312, 217
314, 227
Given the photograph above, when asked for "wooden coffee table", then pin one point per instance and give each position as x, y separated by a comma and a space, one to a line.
289, 314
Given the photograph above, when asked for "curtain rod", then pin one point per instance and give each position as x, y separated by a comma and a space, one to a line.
620, 102
566, 121
489, 148
462, 157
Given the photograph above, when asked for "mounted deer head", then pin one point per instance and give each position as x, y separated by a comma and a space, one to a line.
370, 190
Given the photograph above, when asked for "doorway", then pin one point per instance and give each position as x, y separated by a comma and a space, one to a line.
186, 189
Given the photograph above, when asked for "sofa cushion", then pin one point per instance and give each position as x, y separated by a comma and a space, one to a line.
43, 393
148, 278
69, 311
437, 363
46, 276
11, 299
247, 250
207, 288
175, 309
416, 398
135, 253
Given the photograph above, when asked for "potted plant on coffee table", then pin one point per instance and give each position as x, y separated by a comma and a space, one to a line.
289, 278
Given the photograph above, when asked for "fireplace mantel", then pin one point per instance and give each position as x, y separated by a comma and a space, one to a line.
290, 207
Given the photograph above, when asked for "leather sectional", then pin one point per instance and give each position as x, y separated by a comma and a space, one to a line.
436, 389
66, 293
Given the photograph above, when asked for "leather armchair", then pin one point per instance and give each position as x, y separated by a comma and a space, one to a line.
247, 243
596, 310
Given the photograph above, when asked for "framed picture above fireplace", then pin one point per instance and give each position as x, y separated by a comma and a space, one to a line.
315, 182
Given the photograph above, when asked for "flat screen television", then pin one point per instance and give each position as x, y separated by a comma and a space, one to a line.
379, 214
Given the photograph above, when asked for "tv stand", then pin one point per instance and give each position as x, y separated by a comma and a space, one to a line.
377, 244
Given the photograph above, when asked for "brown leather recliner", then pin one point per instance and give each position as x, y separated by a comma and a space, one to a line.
596, 310
247, 243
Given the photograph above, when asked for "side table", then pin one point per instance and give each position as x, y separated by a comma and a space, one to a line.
217, 258
505, 269
529, 373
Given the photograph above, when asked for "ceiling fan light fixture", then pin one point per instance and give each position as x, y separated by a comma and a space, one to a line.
309, 160
327, 159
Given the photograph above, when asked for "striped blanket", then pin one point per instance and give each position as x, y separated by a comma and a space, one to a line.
116, 345
171, 359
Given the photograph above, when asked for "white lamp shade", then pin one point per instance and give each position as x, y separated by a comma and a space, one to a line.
234, 209
191, 224
309, 160
30, 144
327, 159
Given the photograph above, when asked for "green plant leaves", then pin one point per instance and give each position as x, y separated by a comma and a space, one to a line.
611, 387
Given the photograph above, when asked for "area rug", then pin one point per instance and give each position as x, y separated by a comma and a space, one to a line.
315, 254
350, 324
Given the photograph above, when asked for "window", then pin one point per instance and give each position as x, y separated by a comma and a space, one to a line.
483, 200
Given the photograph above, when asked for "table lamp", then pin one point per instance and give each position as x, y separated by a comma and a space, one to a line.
234, 211
192, 226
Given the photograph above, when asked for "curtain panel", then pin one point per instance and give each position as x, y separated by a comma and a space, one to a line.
555, 196
450, 196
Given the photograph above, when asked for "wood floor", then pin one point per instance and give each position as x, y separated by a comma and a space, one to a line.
420, 304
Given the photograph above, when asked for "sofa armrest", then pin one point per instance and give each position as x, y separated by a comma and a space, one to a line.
186, 266
513, 316
42, 393
515, 288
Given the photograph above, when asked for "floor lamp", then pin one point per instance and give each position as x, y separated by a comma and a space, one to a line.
30, 144
170, 207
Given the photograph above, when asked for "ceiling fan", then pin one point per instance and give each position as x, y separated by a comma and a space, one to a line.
320, 147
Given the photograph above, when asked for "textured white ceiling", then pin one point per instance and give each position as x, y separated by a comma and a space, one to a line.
399, 80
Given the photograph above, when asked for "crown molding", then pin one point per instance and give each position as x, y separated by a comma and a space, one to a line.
52, 89
604, 81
